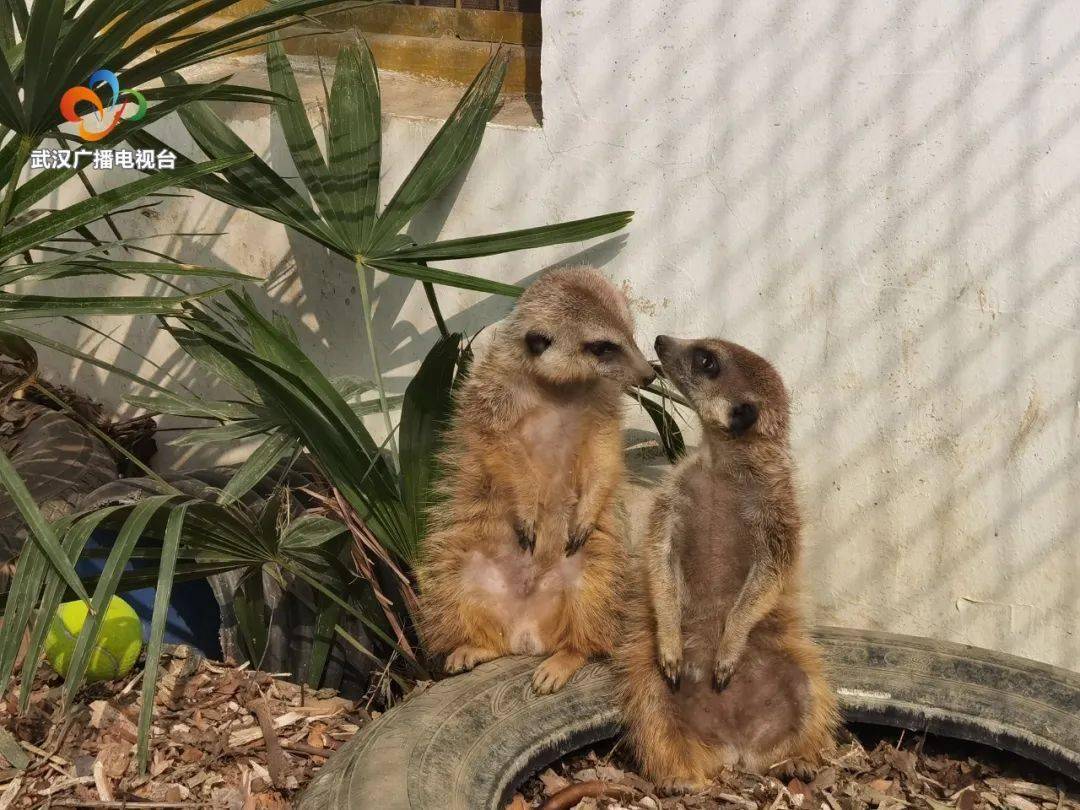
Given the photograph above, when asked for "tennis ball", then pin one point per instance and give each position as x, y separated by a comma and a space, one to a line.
117, 646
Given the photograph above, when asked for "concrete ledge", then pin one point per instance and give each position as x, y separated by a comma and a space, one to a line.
403, 95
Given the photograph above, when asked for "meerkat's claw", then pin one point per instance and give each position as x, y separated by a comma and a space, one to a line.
577, 539
722, 675
526, 535
671, 669
465, 658
669, 657
673, 679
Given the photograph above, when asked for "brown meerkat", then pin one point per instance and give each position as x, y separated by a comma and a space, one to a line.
526, 552
718, 668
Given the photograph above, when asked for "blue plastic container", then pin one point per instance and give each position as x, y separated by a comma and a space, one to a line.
193, 618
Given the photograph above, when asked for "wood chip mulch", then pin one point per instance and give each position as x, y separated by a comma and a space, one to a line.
222, 737
226, 737
899, 770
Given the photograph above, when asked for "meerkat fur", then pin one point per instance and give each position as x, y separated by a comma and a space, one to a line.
717, 668
526, 552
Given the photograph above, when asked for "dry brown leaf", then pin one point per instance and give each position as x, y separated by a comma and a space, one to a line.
115, 758
966, 800
11, 792
553, 782
797, 788
825, 779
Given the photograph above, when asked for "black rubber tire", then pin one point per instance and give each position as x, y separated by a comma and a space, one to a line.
467, 742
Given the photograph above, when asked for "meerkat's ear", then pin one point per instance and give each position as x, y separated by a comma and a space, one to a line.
743, 416
537, 343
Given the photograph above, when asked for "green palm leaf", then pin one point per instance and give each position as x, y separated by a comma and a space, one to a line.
424, 415
447, 278
74, 541
448, 153
166, 572
470, 247
299, 136
41, 533
138, 40
355, 145
106, 589
13, 307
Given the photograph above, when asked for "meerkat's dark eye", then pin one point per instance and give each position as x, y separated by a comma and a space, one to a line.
537, 343
603, 349
705, 362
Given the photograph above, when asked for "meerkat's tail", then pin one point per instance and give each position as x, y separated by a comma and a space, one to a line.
816, 735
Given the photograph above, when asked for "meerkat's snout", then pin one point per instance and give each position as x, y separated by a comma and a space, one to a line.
627, 364
643, 368
671, 352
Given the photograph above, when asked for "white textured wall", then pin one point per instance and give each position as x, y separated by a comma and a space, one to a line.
881, 196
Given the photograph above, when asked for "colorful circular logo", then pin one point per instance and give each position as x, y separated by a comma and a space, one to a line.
88, 93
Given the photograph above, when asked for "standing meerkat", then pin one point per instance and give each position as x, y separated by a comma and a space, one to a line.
718, 668
525, 552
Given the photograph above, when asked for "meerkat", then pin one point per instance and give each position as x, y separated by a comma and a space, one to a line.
526, 552
718, 668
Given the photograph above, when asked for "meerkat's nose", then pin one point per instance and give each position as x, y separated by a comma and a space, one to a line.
662, 341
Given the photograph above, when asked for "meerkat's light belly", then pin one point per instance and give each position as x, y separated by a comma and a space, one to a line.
524, 595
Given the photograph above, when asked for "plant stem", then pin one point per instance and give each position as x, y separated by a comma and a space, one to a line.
365, 303
26, 145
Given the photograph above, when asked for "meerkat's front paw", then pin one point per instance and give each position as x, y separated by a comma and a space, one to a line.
670, 660
465, 658
577, 538
526, 534
727, 657
555, 671
723, 669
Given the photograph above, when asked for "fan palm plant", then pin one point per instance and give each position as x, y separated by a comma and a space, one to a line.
343, 184
299, 407
190, 533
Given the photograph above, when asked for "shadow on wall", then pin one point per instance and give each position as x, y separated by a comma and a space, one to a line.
892, 190
880, 196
